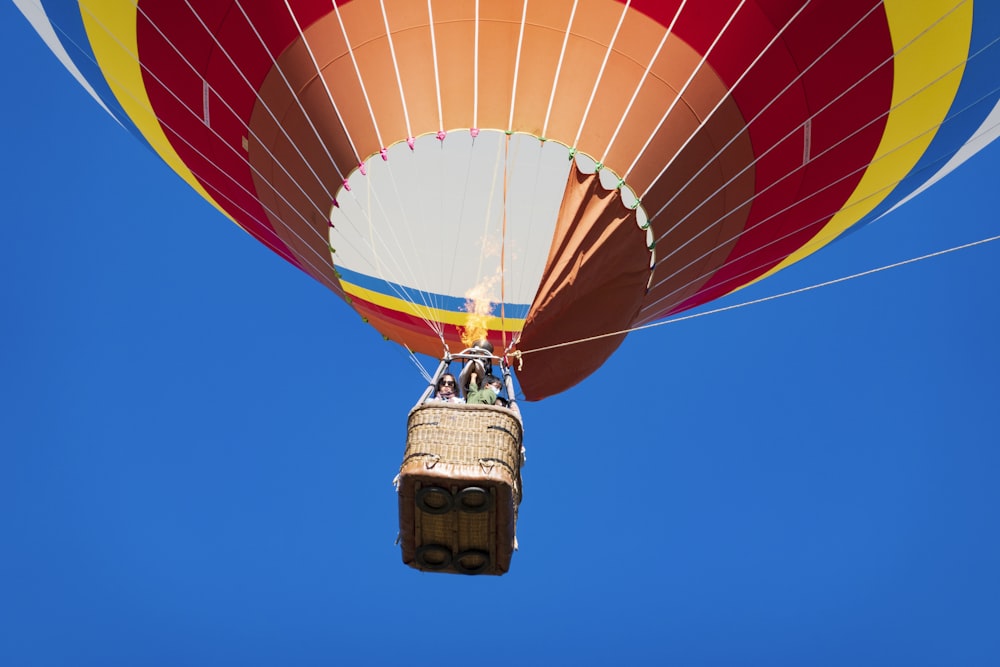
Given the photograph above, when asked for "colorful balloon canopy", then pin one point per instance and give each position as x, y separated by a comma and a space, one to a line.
547, 170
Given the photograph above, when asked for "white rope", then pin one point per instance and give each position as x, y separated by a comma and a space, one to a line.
812, 194
600, 72
489, 205
377, 242
721, 189
293, 259
437, 75
555, 79
321, 213
517, 66
760, 114
263, 104
420, 367
444, 195
680, 93
753, 271
326, 87
245, 159
704, 122
397, 252
475, 75
180, 136
288, 86
526, 241
642, 80
422, 308
357, 72
402, 294
395, 66
763, 299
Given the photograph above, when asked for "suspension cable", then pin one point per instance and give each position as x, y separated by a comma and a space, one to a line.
312, 247
764, 262
800, 290
804, 198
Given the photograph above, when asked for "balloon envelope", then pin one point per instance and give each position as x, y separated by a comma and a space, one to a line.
541, 172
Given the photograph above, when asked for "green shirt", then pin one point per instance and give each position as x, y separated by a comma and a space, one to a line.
485, 396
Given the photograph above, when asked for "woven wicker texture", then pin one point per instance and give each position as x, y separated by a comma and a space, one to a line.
465, 434
459, 488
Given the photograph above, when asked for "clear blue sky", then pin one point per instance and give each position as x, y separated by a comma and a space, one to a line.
197, 444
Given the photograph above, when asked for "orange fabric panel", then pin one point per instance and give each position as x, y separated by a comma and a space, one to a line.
594, 281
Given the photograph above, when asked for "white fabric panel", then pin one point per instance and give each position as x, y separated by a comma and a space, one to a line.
432, 218
39, 20
981, 138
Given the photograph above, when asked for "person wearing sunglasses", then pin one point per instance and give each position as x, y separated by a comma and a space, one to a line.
447, 390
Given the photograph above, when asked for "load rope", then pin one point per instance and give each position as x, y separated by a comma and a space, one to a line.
520, 353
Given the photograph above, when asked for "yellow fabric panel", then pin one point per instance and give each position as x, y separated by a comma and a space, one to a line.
424, 312
927, 74
111, 29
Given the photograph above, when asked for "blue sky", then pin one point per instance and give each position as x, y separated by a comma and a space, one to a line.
197, 445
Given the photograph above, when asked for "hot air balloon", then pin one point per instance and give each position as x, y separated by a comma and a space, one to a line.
541, 173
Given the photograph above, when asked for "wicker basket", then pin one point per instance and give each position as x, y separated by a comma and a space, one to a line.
459, 488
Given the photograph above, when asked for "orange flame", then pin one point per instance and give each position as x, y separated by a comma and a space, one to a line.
480, 309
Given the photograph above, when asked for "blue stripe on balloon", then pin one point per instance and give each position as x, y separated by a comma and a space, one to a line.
438, 301
973, 102
67, 21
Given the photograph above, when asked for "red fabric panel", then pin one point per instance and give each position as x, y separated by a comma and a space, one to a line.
172, 41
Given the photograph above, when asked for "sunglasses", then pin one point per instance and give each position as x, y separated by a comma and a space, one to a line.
446, 383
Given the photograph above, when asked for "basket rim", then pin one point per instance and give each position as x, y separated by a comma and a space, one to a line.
464, 406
